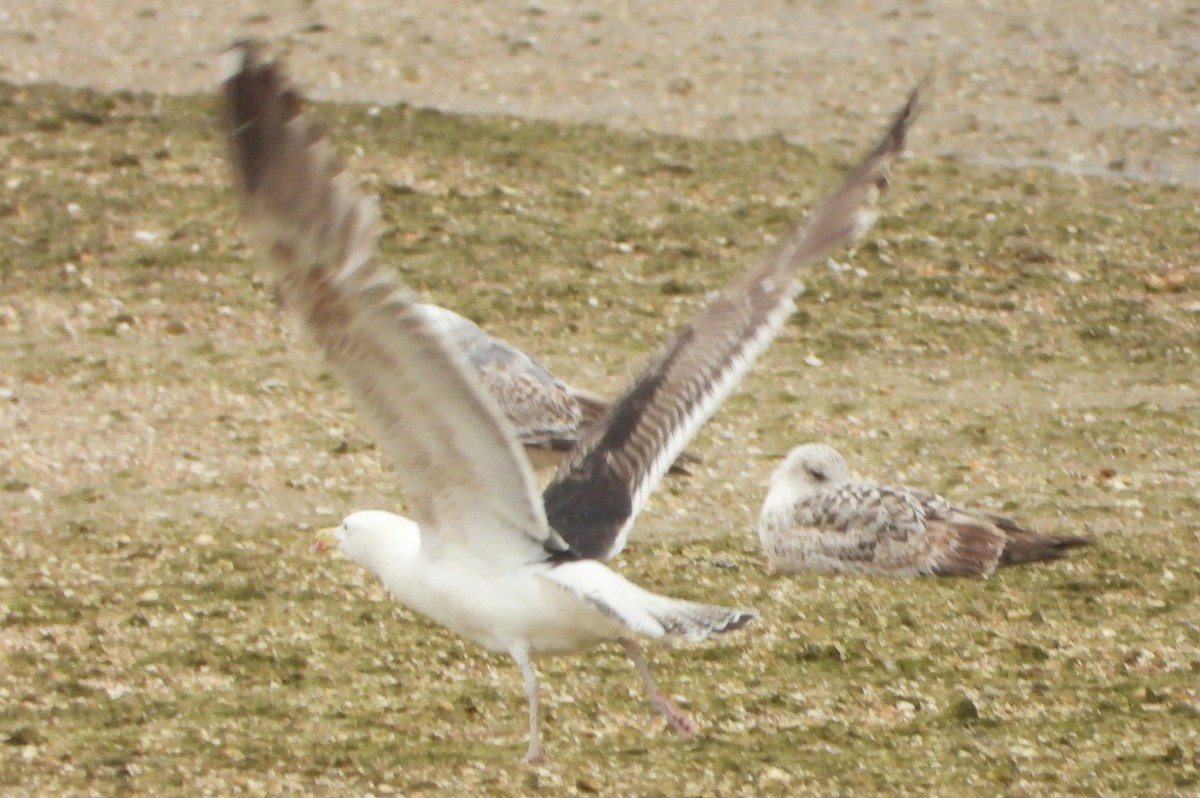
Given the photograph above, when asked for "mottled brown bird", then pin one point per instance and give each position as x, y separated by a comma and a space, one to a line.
816, 518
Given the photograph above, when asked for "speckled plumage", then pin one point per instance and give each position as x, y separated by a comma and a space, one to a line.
817, 518
547, 414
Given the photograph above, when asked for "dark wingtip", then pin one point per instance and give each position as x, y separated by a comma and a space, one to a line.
1032, 547
870, 175
256, 99
739, 619
248, 48
896, 138
240, 59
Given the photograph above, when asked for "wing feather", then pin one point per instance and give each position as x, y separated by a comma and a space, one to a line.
467, 481
606, 479
545, 411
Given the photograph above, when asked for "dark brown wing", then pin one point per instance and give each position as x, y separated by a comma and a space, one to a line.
1023, 545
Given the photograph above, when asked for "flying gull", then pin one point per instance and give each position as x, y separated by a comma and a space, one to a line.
547, 414
816, 518
484, 555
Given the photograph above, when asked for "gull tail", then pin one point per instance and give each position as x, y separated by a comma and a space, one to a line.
1023, 545
590, 405
1026, 547
695, 622
651, 614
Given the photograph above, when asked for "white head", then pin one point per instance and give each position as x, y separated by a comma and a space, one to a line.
372, 538
807, 469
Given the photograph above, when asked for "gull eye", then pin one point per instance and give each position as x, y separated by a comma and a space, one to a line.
816, 474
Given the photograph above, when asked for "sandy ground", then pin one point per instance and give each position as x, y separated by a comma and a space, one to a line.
1028, 344
1093, 87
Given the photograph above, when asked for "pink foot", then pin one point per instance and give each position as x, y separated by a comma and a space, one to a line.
675, 716
535, 755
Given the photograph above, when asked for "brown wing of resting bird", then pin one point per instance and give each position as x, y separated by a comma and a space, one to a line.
1025, 545
974, 537
978, 543
965, 546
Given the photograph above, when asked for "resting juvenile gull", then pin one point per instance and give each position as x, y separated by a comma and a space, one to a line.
485, 555
547, 414
816, 518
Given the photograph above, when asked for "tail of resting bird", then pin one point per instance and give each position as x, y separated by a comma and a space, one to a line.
981, 547
590, 405
1024, 546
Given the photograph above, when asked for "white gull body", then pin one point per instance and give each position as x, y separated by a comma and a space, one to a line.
548, 607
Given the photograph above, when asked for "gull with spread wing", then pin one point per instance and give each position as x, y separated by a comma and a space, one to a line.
484, 554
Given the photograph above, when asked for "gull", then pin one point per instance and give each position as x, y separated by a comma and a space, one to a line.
816, 518
484, 554
547, 414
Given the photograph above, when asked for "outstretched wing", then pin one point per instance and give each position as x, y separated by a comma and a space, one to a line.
605, 481
467, 481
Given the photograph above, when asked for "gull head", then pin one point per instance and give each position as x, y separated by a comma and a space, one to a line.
329, 538
371, 537
807, 469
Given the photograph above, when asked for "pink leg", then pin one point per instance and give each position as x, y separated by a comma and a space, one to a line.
536, 755
678, 719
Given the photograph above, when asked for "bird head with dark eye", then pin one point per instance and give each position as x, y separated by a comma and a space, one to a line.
811, 467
